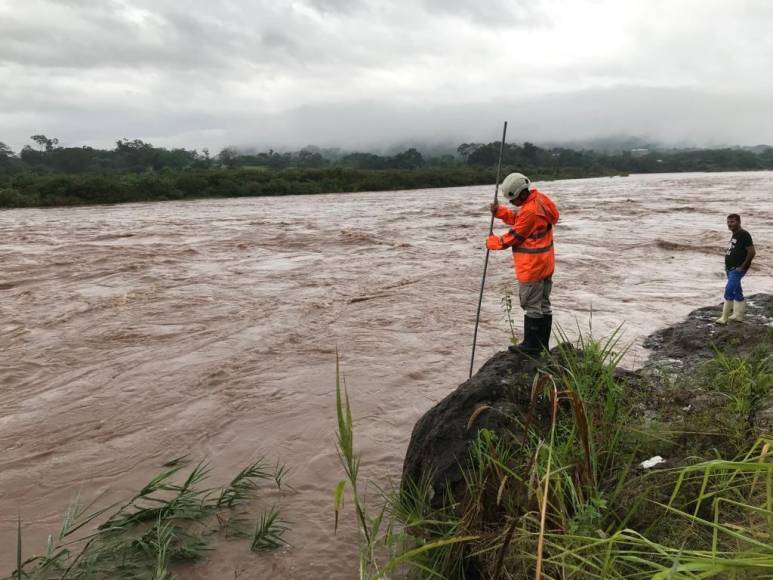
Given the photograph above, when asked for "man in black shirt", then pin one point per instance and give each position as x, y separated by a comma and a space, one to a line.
738, 258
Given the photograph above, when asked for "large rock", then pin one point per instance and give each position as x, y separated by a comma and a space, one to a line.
685, 346
694, 340
440, 440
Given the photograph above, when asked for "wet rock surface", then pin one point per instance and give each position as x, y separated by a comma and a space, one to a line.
502, 388
690, 343
440, 440
685, 346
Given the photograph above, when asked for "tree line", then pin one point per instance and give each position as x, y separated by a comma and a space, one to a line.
135, 155
48, 174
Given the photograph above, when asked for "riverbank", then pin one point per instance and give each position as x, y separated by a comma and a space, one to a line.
28, 190
567, 466
136, 171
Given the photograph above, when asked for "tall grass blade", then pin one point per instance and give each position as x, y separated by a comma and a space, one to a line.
18, 549
546, 490
411, 554
339, 502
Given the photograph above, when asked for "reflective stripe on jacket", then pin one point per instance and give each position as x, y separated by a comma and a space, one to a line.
531, 237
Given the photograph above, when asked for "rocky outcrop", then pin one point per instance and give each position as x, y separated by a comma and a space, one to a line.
500, 390
685, 346
497, 397
690, 343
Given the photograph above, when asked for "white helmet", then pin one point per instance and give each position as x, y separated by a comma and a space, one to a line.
514, 184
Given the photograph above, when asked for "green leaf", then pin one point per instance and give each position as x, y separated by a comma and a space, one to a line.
339, 501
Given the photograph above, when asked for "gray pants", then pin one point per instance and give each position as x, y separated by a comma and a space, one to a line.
535, 298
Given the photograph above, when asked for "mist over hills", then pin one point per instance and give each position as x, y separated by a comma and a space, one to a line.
606, 119
612, 144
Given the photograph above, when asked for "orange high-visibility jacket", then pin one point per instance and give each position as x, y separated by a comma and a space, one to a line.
531, 237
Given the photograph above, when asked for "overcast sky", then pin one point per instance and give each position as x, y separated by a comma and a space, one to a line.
362, 74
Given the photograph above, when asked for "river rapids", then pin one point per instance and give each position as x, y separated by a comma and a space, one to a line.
134, 334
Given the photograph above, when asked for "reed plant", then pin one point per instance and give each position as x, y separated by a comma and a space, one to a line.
170, 520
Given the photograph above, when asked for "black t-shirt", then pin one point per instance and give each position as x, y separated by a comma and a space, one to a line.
736, 250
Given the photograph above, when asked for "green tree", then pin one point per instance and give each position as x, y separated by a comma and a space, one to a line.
9, 163
138, 155
6, 152
409, 159
530, 151
466, 149
228, 157
73, 159
307, 158
45, 143
363, 161
485, 155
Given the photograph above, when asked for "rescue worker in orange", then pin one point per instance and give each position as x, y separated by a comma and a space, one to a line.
531, 240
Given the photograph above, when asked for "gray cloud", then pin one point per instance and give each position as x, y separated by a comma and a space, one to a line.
491, 13
369, 72
675, 116
339, 6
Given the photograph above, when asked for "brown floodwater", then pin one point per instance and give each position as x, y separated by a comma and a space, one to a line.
134, 334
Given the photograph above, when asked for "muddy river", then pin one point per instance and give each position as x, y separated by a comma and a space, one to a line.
133, 334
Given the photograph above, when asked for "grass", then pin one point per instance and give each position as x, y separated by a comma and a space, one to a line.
564, 495
384, 548
745, 381
507, 308
172, 519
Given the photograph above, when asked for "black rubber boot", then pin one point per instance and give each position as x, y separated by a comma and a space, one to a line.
546, 325
531, 337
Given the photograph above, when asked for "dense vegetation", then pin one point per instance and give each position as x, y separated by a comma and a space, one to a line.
51, 175
564, 495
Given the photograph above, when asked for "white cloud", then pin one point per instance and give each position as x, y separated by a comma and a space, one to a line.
241, 71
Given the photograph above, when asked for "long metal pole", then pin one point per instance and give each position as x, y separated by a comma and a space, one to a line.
485, 264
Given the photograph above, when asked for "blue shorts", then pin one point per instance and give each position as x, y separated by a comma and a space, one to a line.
733, 290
